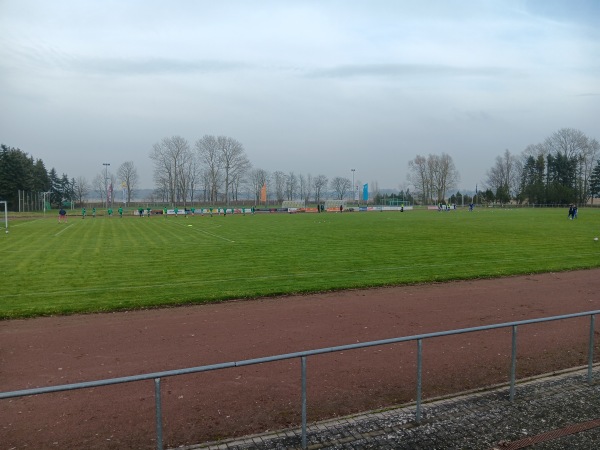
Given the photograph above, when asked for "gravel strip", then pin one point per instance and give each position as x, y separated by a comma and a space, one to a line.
549, 413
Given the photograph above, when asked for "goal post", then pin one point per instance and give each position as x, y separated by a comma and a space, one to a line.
331, 205
3, 202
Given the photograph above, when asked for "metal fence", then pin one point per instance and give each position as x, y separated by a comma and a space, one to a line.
303, 355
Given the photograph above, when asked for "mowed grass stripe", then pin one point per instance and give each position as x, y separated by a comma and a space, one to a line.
106, 264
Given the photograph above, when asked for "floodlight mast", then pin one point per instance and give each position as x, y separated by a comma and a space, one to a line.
106, 181
354, 196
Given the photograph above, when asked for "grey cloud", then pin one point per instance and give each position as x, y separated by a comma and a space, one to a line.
42, 57
150, 66
404, 70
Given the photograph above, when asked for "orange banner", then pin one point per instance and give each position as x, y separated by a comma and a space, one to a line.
263, 193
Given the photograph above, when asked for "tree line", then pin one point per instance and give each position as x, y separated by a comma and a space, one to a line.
432, 177
21, 173
562, 169
216, 169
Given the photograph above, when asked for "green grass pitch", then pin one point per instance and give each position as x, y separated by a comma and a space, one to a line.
107, 264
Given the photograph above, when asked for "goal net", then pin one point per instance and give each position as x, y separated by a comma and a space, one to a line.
300, 204
334, 204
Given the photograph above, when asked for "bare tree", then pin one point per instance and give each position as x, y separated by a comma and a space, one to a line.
340, 186
170, 156
320, 184
291, 186
81, 189
210, 158
306, 184
433, 175
280, 181
238, 181
258, 178
534, 150
567, 141
187, 173
204, 183
420, 177
99, 185
195, 175
128, 175
445, 175
503, 178
233, 161
374, 188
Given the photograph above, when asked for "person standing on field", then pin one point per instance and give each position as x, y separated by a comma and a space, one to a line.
83, 213
62, 215
120, 212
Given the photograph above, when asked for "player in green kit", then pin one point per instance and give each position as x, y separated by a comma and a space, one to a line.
110, 211
148, 210
83, 213
120, 212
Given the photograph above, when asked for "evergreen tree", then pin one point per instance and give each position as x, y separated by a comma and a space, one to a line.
16, 174
595, 181
41, 181
55, 189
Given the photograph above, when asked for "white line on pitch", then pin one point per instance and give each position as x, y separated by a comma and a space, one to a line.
64, 229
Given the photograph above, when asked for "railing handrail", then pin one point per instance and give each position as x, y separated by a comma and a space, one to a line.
305, 353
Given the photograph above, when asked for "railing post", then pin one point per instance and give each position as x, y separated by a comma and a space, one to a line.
591, 349
513, 363
303, 365
419, 376
159, 433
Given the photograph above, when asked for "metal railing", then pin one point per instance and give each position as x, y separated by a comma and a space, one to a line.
303, 355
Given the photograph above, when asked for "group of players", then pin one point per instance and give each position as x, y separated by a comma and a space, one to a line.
62, 213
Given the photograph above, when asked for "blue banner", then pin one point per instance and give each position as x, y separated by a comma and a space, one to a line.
366, 192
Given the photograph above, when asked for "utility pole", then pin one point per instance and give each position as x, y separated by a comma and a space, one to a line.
353, 187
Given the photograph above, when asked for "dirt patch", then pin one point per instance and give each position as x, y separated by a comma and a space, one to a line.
59, 350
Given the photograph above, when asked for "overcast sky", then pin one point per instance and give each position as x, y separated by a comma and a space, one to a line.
319, 87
